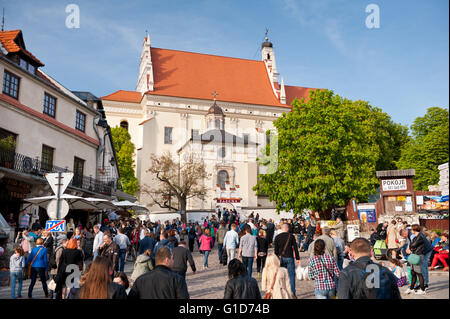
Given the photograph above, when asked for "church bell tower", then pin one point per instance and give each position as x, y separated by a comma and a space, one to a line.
145, 80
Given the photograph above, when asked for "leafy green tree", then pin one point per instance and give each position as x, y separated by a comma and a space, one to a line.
125, 151
428, 148
328, 151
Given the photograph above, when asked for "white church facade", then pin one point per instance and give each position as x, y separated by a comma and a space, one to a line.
216, 107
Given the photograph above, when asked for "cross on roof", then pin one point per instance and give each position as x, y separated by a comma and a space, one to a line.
267, 31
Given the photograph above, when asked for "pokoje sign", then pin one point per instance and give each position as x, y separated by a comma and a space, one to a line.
394, 184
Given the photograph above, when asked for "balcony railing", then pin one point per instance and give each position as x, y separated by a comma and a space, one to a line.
28, 165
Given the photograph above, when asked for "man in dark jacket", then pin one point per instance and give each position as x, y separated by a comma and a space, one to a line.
353, 283
285, 246
270, 231
161, 282
181, 255
146, 243
110, 250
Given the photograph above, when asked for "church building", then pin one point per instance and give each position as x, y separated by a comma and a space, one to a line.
219, 108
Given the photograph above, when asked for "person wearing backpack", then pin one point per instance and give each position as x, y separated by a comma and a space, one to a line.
353, 279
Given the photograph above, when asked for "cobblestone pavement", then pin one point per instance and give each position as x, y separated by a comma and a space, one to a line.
210, 283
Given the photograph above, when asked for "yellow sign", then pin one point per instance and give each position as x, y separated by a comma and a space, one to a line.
400, 198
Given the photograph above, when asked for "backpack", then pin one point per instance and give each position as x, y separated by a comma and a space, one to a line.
384, 290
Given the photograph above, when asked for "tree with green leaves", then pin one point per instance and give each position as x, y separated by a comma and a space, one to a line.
124, 152
327, 153
428, 147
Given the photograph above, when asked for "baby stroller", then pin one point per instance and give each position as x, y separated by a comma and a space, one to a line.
380, 248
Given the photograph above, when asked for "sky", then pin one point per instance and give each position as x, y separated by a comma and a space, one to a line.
401, 67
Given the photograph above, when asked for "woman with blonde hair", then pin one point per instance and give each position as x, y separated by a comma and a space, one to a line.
275, 279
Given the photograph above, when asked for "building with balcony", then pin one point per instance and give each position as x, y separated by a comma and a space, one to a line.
44, 127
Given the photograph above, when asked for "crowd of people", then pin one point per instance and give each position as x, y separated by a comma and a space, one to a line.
162, 252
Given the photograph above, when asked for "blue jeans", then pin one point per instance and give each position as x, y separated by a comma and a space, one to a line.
289, 263
426, 259
340, 262
205, 263
95, 255
220, 247
13, 277
325, 294
248, 264
122, 254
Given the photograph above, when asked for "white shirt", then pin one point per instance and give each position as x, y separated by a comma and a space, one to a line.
98, 240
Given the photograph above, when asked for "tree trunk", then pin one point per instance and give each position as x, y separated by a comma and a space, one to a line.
183, 204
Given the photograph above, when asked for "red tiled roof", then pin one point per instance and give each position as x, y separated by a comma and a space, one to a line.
293, 92
47, 118
124, 96
195, 75
8, 40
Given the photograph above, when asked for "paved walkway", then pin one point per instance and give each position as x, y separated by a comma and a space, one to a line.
210, 283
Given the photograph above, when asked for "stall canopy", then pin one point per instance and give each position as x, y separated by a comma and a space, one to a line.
75, 202
129, 205
101, 203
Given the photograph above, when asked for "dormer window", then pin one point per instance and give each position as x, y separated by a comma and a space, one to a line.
27, 66
23, 64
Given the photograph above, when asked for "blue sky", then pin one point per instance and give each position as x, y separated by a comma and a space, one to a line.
402, 67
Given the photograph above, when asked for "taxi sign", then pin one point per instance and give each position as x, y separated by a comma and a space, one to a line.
55, 226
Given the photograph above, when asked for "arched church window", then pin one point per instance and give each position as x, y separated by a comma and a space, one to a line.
217, 123
268, 56
222, 178
124, 124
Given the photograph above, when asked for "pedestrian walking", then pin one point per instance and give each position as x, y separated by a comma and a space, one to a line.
16, 266
161, 282
98, 240
181, 256
275, 279
263, 247
71, 255
142, 265
248, 250
38, 262
206, 244
323, 269
123, 242
191, 238
231, 242
340, 248
420, 247
110, 250
240, 285
353, 279
221, 232
285, 246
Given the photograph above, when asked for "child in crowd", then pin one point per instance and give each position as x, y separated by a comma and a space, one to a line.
397, 269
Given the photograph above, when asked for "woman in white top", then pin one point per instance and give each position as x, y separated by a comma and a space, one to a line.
277, 276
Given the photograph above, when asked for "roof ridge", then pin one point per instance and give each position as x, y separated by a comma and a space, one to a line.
213, 55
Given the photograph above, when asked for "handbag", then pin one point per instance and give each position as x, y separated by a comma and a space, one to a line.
52, 285
262, 254
414, 259
269, 292
30, 265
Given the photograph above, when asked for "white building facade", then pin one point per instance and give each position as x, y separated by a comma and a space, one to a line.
219, 108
